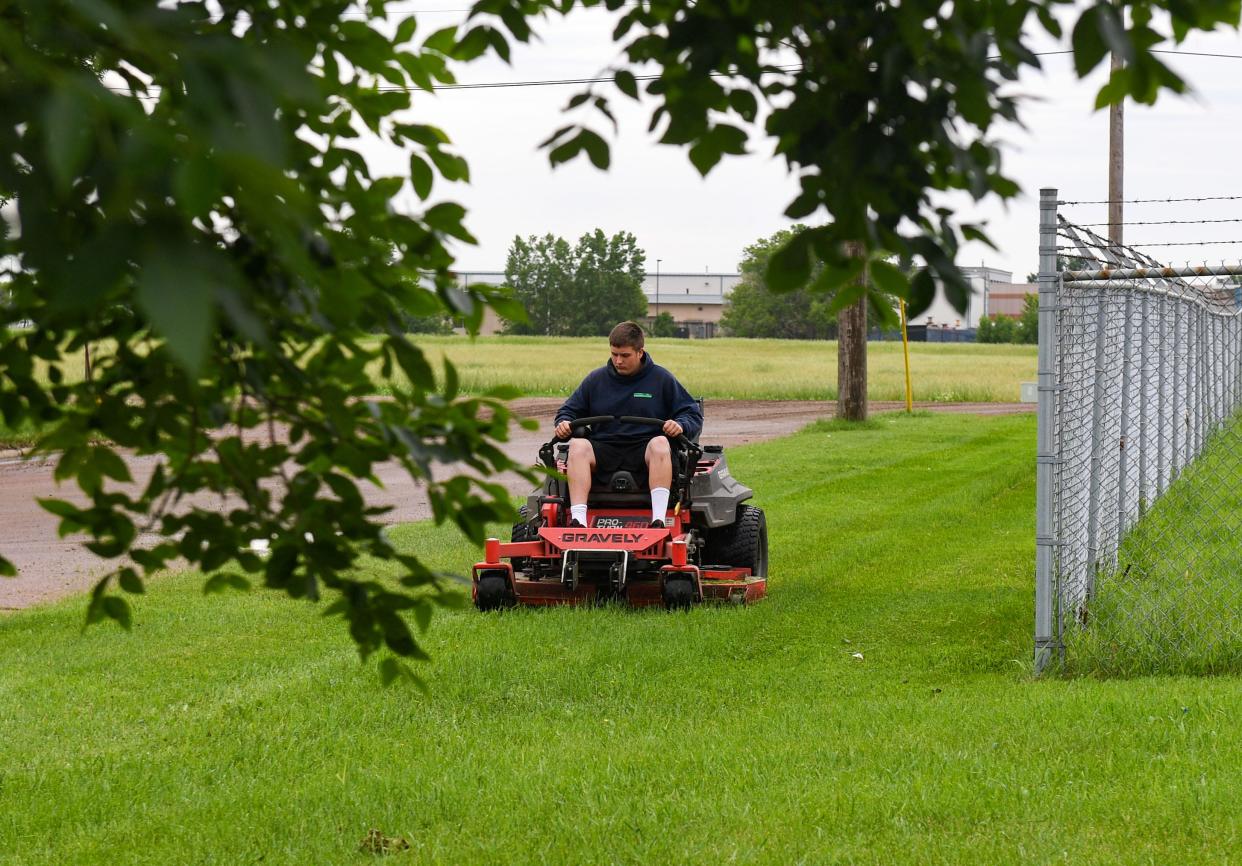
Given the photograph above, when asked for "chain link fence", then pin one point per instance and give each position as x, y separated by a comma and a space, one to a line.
1139, 513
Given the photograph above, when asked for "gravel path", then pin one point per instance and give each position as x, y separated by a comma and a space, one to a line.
50, 567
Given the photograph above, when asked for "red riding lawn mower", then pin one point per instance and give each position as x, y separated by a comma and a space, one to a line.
713, 547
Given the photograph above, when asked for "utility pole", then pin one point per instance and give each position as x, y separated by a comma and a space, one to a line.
852, 351
1116, 160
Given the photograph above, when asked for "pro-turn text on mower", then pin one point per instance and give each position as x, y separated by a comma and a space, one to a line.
714, 547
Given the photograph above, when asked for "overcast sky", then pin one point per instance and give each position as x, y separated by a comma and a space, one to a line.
1183, 147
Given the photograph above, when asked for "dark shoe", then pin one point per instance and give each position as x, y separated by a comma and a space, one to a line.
657, 524
576, 524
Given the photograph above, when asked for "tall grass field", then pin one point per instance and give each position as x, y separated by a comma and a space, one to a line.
878, 708
749, 369
717, 369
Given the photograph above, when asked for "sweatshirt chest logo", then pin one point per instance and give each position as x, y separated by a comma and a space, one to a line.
642, 394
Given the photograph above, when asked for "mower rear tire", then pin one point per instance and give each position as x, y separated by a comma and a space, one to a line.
492, 592
523, 531
742, 544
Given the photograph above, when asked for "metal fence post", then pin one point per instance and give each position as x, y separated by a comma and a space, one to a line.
1199, 382
1217, 399
1046, 640
1161, 390
1177, 413
1097, 445
1124, 439
1144, 427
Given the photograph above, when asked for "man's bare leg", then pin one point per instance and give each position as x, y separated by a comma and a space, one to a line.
580, 469
659, 459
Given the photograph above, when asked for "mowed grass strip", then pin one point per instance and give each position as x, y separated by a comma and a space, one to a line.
242, 729
748, 369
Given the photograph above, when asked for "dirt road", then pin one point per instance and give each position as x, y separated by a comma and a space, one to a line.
50, 567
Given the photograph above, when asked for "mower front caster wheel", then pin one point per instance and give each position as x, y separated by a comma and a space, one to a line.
678, 593
492, 592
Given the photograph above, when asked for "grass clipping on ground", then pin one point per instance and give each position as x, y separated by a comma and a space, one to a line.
241, 728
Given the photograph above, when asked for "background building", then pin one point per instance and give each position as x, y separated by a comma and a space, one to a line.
994, 292
695, 301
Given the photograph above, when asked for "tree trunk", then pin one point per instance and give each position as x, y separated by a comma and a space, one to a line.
852, 355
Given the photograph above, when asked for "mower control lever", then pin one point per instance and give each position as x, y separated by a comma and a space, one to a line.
546, 455
680, 438
579, 423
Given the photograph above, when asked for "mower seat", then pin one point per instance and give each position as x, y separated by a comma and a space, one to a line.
621, 481
621, 490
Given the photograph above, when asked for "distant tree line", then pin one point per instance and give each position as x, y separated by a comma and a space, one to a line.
576, 291
753, 309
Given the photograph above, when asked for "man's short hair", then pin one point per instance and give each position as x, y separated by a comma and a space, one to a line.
627, 334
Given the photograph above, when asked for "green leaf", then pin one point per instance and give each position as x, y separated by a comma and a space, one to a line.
451, 166
626, 83
7, 568
704, 156
130, 581
922, 293
412, 362
442, 40
596, 148
110, 465
789, 267
219, 583
509, 309
744, 103
196, 182
68, 120
889, 279
446, 217
393, 669
510, 392
405, 30
117, 608
1088, 40
422, 615
176, 292
60, 508
420, 176
1115, 89
451, 381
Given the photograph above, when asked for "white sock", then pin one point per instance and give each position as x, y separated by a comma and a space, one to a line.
659, 503
578, 513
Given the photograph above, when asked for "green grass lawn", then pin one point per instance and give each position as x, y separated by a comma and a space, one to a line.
241, 729
749, 369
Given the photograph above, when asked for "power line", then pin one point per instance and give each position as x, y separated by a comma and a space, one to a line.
555, 82
484, 85
1195, 53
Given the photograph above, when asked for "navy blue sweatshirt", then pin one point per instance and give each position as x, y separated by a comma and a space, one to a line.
652, 392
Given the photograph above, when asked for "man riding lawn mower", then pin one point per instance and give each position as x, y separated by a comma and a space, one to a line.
625, 451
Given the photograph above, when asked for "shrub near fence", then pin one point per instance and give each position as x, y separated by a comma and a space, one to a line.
1138, 513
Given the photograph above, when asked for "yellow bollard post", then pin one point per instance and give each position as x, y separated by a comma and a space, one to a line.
905, 349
